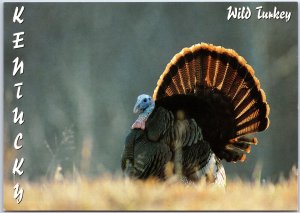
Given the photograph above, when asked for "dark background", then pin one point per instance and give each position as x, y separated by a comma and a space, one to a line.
85, 64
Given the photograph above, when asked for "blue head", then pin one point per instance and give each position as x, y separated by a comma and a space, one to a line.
142, 103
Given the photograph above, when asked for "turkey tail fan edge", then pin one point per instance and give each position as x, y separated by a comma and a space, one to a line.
216, 68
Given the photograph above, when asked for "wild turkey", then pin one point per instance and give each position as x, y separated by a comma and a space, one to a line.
205, 102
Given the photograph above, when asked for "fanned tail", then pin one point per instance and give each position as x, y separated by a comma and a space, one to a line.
205, 67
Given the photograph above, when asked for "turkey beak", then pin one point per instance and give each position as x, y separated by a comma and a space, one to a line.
136, 108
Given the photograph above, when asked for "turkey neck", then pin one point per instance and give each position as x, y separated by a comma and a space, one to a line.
147, 112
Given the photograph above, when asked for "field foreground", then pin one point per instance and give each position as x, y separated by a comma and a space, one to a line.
118, 194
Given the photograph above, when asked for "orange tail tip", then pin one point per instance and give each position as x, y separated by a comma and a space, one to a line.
244, 139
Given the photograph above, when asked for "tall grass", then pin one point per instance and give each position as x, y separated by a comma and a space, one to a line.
109, 193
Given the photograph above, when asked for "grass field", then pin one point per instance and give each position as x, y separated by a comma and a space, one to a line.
109, 193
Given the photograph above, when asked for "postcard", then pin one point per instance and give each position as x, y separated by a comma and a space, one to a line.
138, 106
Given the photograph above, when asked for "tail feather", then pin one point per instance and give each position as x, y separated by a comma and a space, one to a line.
230, 76
250, 99
238, 147
255, 125
189, 64
223, 68
197, 66
238, 81
184, 75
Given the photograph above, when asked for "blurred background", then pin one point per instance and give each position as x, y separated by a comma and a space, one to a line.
85, 64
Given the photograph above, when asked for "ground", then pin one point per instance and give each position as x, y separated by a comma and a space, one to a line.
110, 193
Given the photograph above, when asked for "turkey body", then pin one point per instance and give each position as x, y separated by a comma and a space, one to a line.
173, 137
206, 101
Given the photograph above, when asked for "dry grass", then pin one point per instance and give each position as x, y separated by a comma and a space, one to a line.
118, 194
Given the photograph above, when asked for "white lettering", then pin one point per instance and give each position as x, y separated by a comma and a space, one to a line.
18, 66
18, 118
18, 85
238, 13
18, 14
17, 166
18, 194
18, 137
18, 39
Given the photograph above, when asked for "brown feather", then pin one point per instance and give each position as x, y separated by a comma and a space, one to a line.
203, 68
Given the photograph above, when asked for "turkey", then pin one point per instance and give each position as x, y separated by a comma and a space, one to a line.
206, 103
